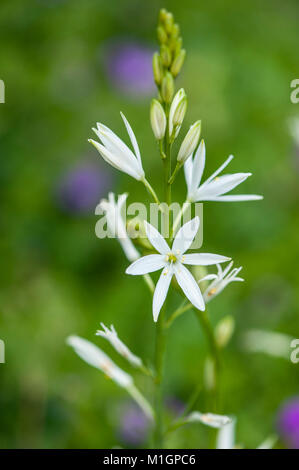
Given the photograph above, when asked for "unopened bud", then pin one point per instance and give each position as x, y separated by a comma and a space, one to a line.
165, 55
177, 112
158, 119
167, 87
190, 142
175, 31
178, 46
162, 36
157, 68
224, 330
162, 15
209, 374
178, 63
168, 21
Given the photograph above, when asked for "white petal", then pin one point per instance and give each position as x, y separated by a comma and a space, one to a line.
185, 236
208, 277
210, 419
224, 165
226, 436
188, 169
236, 198
189, 286
116, 161
198, 165
203, 259
222, 185
146, 264
156, 239
161, 290
113, 143
132, 138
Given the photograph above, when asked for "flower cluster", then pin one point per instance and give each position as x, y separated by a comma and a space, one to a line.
170, 254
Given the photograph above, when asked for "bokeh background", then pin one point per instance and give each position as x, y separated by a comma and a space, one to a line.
67, 64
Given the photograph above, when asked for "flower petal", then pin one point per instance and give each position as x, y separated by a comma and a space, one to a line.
198, 165
185, 236
146, 264
216, 173
221, 185
188, 169
236, 198
203, 259
189, 286
156, 239
161, 290
132, 138
210, 419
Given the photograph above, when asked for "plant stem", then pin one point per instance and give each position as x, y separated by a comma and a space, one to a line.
159, 362
181, 309
151, 191
185, 206
214, 351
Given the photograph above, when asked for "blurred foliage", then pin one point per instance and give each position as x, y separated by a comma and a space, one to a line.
57, 278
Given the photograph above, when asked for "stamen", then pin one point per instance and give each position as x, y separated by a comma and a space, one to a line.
212, 291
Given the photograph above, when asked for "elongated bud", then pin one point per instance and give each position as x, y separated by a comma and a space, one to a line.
165, 55
157, 68
224, 330
178, 63
162, 15
167, 87
158, 119
162, 35
168, 21
177, 112
178, 46
190, 142
180, 112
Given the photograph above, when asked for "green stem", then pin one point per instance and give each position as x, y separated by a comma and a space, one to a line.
181, 309
185, 206
215, 354
151, 191
159, 360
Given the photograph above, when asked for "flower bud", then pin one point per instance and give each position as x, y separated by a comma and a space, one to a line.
177, 112
190, 142
162, 36
224, 330
167, 87
157, 68
168, 21
178, 63
162, 15
158, 119
165, 55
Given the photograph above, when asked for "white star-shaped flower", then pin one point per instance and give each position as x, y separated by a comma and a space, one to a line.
215, 187
115, 152
220, 280
172, 261
112, 336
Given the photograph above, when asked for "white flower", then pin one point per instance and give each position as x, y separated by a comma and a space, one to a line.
115, 151
172, 262
95, 357
158, 119
119, 346
272, 343
226, 438
116, 224
220, 280
214, 188
209, 419
190, 142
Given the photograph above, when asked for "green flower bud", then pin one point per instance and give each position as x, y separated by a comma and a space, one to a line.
175, 31
162, 36
224, 330
158, 119
177, 112
167, 88
165, 55
157, 68
162, 15
178, 63
190, 142
168, 21
178, 46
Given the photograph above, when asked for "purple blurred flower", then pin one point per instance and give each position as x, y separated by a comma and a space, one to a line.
80, 189
288, 422
134, 425
129, 67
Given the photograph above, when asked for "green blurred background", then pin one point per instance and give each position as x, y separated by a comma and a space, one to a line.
57, 278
